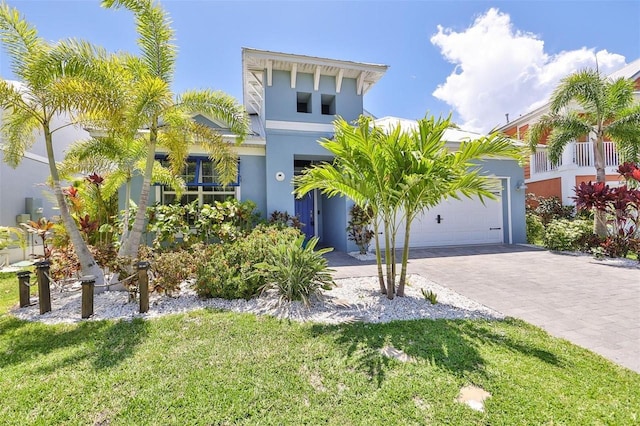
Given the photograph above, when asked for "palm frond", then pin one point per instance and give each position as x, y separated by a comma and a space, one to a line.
217, 106
586, 87
153, 97
18, 130
19, 39
155, 35
619, 97
163, 176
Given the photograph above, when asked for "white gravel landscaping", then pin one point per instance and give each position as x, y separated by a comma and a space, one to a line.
354, 299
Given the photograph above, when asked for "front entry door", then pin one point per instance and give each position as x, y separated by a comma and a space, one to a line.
304, 210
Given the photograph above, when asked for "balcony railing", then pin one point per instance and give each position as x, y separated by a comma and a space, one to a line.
540, 162
583, 154
579, 153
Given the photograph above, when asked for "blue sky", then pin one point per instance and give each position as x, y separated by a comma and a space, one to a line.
476, 59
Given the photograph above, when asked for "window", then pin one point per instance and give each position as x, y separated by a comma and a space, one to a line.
328, 104
201, 184
304, 102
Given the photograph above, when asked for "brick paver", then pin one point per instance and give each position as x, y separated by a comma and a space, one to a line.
591, 303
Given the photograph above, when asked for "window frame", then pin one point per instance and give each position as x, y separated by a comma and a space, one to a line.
202, 189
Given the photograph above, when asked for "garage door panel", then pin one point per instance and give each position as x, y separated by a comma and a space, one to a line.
464, 221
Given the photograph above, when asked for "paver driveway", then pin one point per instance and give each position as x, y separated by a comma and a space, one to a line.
591, 303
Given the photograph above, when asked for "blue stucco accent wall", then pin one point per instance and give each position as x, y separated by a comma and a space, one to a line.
282, 148
511, 169
281, 99
252, 181
334, 220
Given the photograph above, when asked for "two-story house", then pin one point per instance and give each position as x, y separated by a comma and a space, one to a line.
292, 101
545, 179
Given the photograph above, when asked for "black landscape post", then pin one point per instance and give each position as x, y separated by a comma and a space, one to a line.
88, 282
44, 290
23, 287
143, 286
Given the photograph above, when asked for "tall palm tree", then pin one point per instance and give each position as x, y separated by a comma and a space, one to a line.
399, 173
605, 110
167, 119
66, 78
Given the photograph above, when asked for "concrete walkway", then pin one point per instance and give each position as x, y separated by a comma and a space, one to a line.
588, 302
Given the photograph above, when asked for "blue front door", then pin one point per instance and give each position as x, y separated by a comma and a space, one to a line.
304, 211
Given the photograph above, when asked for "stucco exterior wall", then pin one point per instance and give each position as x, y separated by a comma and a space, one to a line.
252, 181
513, 200
281, 99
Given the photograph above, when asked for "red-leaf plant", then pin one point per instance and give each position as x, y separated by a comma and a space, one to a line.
622, 204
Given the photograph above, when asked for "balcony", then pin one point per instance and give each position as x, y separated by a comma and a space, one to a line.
579, 154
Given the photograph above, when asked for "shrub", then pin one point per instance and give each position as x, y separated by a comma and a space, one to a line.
229, 271
226, 220
615, 246
565, 235
551, 208
535, 229
172, 268
170, 225
65, 263
284, 219
181, 226
296, 271
358, 227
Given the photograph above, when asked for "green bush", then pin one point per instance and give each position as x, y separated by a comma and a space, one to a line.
174, 225
551, 208
535, 229
229, 271
566, 235
173, 267
296, 271
226, 221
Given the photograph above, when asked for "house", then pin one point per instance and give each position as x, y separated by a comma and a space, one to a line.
292, 101
576, 165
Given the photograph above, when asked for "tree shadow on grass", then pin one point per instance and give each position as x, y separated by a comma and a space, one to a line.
452, 345
105, 343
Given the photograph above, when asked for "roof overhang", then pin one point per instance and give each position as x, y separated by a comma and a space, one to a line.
258, 66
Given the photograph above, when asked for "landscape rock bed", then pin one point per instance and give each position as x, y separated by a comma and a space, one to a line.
352, 300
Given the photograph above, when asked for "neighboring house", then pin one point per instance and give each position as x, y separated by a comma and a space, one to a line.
292, 101
545, 179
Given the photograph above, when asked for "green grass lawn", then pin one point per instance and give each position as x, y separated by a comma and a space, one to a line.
209, 367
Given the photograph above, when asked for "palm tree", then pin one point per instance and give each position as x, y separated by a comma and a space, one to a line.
606, 109
399, 174
433, 173
356, 172
118, 159
66, 78
167, 119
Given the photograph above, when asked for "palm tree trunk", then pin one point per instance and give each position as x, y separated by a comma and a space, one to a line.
88, 265
405, 258
388, 254
376, 229
127, 206
600, 217
130, 246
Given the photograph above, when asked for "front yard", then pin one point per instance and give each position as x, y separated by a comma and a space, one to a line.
209, 367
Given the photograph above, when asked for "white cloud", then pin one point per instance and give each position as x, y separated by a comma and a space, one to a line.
499, 70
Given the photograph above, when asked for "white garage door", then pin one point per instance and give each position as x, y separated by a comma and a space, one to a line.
457, 222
